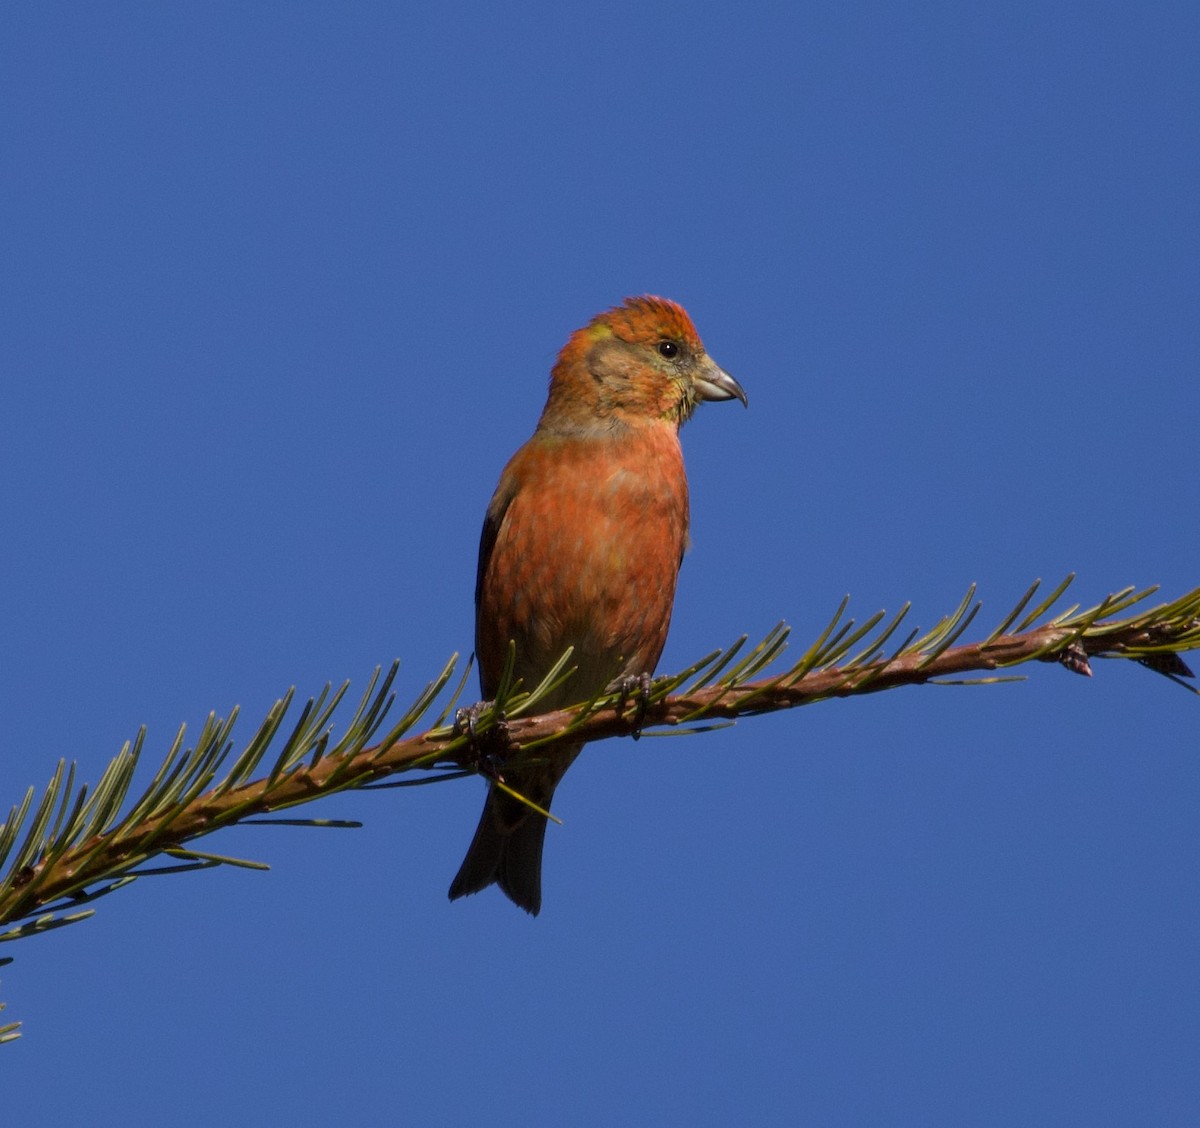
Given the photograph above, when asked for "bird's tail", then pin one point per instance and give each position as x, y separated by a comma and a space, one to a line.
507, 847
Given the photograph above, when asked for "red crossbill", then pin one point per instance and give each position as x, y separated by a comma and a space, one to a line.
581, 548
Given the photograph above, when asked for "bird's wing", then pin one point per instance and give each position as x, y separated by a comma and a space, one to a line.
487, 544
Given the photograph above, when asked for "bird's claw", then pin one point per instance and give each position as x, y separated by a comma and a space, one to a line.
485, 752
466, 720
636, 686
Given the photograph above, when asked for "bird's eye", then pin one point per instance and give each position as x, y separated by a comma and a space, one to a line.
669, 349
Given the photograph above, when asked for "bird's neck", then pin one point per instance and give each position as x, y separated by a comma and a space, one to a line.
610, 425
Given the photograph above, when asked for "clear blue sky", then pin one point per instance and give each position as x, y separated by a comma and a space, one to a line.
281, 287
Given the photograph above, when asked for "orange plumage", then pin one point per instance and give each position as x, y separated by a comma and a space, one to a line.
581, 547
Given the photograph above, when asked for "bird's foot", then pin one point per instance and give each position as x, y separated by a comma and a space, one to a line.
487, 751
637, 688
466, 720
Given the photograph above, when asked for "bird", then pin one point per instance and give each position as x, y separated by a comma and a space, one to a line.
581, 547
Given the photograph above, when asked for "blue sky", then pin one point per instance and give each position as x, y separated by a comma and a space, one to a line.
282, 287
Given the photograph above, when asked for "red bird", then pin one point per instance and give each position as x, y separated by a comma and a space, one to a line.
581, 547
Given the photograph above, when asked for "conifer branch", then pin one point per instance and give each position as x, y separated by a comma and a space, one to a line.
76, 846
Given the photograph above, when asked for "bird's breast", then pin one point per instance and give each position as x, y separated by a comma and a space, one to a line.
586, 555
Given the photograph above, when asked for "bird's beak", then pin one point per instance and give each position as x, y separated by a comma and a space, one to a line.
712, 382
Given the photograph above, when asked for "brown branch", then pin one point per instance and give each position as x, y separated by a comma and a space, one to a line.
124, 847
773, 694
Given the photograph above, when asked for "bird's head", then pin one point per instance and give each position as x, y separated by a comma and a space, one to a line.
640, 362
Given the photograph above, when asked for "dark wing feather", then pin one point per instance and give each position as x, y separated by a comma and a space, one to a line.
487, 544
